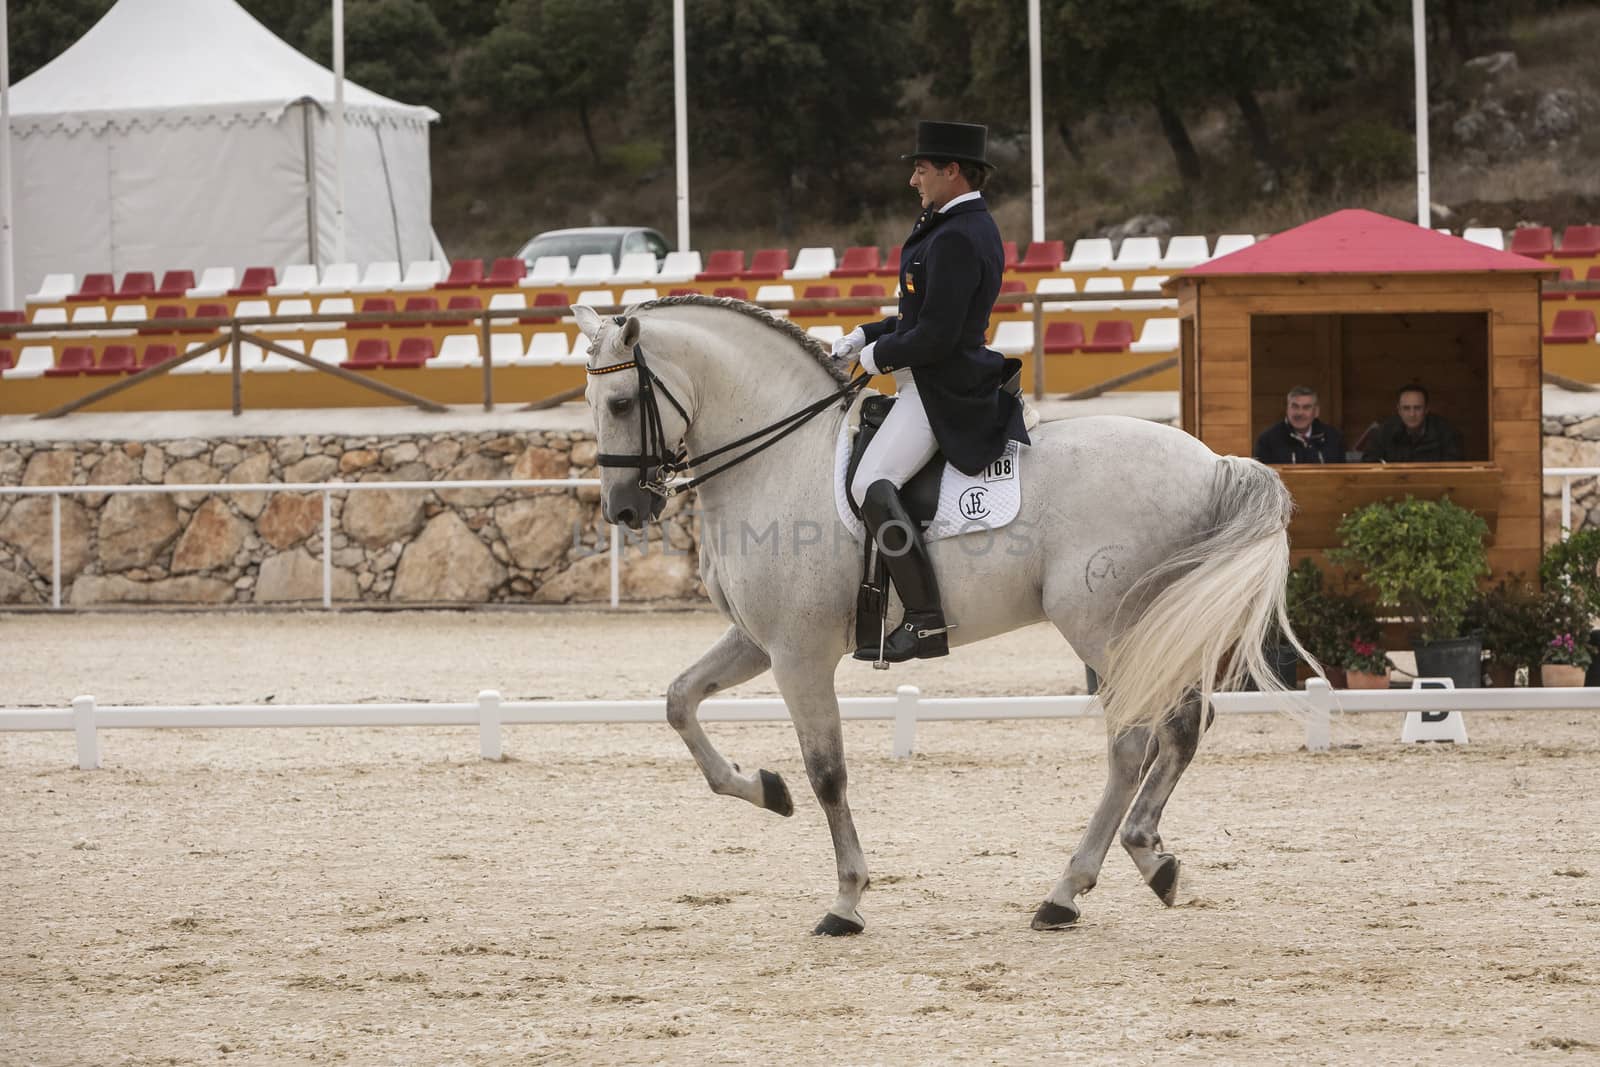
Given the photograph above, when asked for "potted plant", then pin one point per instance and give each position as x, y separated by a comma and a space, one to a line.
1341, 631
1566, 619
1424, 558
1510, 618
1306, 603
1573, 566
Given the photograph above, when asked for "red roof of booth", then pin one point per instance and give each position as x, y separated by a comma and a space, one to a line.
1354, 241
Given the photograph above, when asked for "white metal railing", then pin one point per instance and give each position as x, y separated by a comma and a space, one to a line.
327, 489
905, 709
1567, 474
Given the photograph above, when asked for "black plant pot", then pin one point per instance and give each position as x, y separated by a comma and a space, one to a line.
1591, 677
1458, 658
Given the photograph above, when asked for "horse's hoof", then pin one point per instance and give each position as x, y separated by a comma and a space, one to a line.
1165, 881
775, 795
1055, 916
834, 926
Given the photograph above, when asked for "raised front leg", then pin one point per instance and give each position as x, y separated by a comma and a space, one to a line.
1126, 758
1179, 736
733, 659
807, 688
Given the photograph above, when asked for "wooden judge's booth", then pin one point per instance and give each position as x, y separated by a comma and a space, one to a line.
1357, 305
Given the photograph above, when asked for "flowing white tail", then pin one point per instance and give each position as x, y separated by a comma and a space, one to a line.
1219, 602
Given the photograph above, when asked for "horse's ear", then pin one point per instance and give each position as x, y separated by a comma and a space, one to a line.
630, 332
588, 321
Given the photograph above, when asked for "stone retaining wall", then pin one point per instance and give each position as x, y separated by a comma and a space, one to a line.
468, 546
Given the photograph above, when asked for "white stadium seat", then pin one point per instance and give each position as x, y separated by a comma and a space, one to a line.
811, 263
297, 278
1052, 286
378, 277
1229, 243
775, 292
547, 271
458, 350
505, 349
47, 317
506, 302
295, 306
548, 349
210, 363
1089, 253
679, 267
277, 363
1149, 283
593, 269
631, 297
1013, 338
596, 298
54, 289
1185, 251
1487, 236
636, 268
826, 334
1158, 335
32, 362
423, 274
1137, 253
338, 278
90, 313
129, 313
1098, 285
330, 350
214, 281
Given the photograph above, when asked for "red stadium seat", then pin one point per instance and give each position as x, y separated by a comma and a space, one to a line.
1011, 287
1112, 336
505, 274
1042, 256
154, 354
869, 289
732, 292
1579, 242
1574, 326
464, 274
1011, 253
682, 291
75, 360
768, 264
1566, 276
116, 359
461, 302
413, 352
421, 303
256, 282
1591, 275
551, 300
95, 287
137, 284
1532, 241
818, 292
207, 311
370, 353
7, 359
15, 318
891, 260
858, 262
723, 266
374, 304
174, 284
1063, 337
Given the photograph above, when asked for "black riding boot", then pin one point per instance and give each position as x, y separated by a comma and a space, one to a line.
922, 632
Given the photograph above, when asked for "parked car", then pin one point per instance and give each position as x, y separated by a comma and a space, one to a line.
615, 241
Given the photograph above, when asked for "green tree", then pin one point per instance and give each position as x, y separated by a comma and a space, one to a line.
565, 55
393, 47
40, 30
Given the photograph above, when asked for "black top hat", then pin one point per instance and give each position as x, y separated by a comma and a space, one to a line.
964, 142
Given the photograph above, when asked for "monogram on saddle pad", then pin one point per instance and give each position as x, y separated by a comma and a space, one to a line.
941, 499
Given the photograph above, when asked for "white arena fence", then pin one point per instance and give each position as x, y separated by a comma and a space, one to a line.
326, 489
489, 713
1567, 474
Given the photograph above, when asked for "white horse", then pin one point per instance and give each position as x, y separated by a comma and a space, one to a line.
1161, 563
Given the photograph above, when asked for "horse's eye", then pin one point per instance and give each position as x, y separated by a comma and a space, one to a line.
620, 405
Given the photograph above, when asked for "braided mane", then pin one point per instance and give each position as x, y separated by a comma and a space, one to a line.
813, 348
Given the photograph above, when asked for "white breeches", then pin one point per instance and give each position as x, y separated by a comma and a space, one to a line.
902, 445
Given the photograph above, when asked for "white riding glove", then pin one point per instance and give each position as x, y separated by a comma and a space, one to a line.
866, 360
846, 347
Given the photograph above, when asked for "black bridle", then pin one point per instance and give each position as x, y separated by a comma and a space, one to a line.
654, 452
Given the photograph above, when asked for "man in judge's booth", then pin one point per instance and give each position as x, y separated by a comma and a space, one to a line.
1301, 437
1413, 434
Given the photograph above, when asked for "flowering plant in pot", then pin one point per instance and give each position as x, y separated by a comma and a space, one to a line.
1424, 558
1511, 619
1566, 653
1366, 665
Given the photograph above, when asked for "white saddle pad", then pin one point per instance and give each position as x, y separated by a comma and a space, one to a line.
987, 500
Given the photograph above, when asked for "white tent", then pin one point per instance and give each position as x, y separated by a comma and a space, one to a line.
183, 134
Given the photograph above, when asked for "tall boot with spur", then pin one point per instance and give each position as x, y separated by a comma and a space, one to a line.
922, 633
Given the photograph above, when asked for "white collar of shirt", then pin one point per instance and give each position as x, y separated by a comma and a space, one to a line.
962, 199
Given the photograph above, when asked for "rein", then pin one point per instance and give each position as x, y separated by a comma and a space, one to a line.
671, 462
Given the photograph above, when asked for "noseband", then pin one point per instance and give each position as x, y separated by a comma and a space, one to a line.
668, 463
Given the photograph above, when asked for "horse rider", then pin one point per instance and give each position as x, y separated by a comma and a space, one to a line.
948, 384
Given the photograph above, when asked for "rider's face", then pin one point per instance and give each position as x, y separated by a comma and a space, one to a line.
936, 184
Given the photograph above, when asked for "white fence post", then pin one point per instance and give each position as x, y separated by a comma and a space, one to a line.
615, 547
1319, 694
83, 727
489, 746
55, 550
905, 721
327, 549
